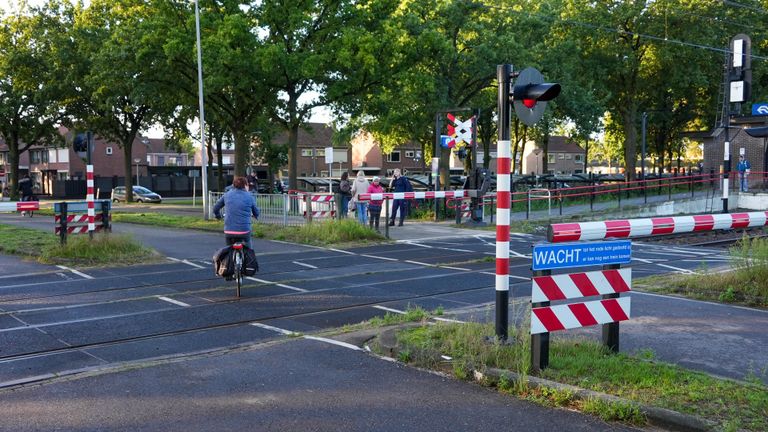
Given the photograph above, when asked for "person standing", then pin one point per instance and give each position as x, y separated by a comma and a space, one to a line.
399, 183
744, 168
374, 206
360, 186
345, 189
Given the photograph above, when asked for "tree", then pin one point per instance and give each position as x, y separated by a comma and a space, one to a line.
118, 74
30, 97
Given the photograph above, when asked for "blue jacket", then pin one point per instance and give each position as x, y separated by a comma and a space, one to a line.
743, 166
241, 205
401, 184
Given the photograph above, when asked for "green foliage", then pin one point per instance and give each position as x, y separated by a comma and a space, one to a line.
614, 411
589, 365
104, 249
329, 232
24, 241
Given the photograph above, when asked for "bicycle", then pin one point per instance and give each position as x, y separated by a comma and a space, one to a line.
237, 249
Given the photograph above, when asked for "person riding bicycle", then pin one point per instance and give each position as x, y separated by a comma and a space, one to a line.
25, 187
240, 205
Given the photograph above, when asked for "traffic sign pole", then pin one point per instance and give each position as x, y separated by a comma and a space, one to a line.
540, 341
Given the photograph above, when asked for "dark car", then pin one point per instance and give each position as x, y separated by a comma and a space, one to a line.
140, 194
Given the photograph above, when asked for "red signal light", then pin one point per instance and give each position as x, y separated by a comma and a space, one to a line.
529, 103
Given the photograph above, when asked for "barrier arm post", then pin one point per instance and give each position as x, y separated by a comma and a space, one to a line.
386, 214
63, 223
611, 330
540, 341
503, 164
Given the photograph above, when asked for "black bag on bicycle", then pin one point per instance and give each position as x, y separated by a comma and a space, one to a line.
250, 264
224, 262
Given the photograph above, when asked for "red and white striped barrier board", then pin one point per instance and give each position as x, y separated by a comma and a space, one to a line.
83, 218
576, 285
575, 315
465, 211
89, 197
19, 206
321, 198
628, 228
78, 229
321, 214
413, 195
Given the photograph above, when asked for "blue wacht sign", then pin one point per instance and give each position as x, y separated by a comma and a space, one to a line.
566, 255
760, 109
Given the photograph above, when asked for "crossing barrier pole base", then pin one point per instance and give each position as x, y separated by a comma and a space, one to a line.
540, 342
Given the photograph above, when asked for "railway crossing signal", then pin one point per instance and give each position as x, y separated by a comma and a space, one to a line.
530, 95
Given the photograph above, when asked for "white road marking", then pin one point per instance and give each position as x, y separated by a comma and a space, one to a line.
81, 274
275, 329
454, 268
380, 257
170, 300
419, 263
275, 283
174, 259
342, 251
384, 308
698, 301
334, 342
305, 265
192, 264
682, 270
448, 320
408, 242
518, 254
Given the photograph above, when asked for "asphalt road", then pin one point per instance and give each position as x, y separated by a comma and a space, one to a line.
175, 323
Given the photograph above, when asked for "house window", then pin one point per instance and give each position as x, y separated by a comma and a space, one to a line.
3, 158
568, 156
109, 150
44, 156
34, 157
306, 152
410, 154
561, 156
578, 158
161, 160
551, 158
394, 156
320, 152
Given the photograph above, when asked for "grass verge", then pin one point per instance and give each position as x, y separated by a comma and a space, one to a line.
746, 283
345, 231
105, 249
586, 364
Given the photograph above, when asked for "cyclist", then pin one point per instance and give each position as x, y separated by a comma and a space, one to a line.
25, 187
240, 205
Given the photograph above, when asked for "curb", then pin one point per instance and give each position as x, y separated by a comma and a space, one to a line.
659, 417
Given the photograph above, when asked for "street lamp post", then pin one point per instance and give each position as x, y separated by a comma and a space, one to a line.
203, 152
136, 161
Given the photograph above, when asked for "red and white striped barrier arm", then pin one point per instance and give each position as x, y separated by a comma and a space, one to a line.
413, 195
576, 285
575, 315
321, 214
89, 198
18, 206
628, 228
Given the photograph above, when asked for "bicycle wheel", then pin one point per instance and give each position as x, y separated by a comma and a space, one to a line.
239, 270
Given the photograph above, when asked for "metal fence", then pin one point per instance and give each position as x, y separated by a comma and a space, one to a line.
285, 209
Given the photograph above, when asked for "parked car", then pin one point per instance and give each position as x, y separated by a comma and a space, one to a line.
140, 194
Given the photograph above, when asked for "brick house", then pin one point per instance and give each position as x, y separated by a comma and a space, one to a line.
365, 154
46, 165
564, 157
755, 150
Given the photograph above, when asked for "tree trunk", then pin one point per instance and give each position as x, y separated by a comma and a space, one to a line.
13, 176
629, 116
293, 166
242, 145
128, 156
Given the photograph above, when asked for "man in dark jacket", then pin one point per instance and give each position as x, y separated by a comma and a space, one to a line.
25, 187
399, 183
240, 206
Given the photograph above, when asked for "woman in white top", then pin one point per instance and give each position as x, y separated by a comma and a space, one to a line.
360, 186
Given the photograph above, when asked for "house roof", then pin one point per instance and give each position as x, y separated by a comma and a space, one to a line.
563, 144
314, 135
